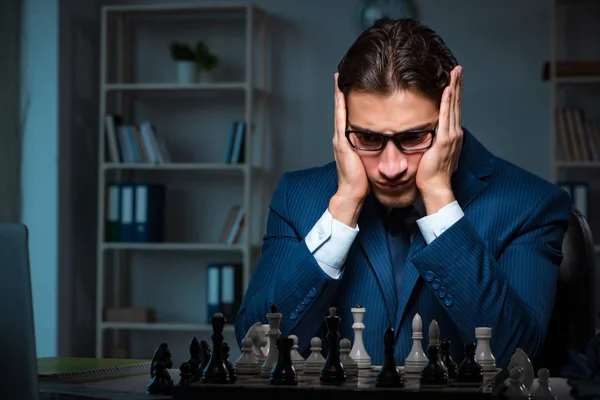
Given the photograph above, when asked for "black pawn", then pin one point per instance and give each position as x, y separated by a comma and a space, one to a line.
469, 370
447, 359
195, 361
215, 371
333, 371
283, 372
205, 354
389, 376
228, 363
435, 372
185, 372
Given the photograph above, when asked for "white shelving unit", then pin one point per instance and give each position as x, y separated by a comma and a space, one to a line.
116, 57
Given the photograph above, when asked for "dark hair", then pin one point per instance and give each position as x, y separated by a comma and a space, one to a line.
396, 55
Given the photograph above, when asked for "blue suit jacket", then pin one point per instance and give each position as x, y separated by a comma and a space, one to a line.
496, 267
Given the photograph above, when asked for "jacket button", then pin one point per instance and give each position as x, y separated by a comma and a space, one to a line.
442, 292
305, 300
448, 301
294, 315
436, 284
312, 292
300, 308
429, 276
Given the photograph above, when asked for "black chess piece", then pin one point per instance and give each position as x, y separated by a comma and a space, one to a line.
228, 364
163, 354
283, 372
215, 371
195, 360
205, 354
446, 358
161, 382
388, 375
470, 372
333, 371
186, 374
435, 373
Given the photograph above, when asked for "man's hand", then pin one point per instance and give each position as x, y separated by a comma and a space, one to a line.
353, 185
437, 165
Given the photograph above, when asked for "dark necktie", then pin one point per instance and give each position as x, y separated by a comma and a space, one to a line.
399, 223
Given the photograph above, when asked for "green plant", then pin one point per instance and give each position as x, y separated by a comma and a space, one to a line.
182, 52
204, 58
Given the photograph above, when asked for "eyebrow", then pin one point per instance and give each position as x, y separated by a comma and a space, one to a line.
414, 128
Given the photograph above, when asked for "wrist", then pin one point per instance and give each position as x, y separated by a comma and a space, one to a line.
436, 199
345, 209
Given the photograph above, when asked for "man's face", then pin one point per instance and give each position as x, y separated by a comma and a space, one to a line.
391, 171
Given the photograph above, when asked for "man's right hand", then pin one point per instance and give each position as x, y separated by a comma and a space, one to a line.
353, 184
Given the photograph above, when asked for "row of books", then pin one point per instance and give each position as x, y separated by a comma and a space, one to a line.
578, 138
133, 143
579, 192
223, 290
135, 212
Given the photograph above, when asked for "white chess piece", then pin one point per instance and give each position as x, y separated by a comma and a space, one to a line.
359, 353
246, 364
417, 359
434, 334
257, 335
297, 359
315, 361
516, 388
521, 359
274, 318
543, 388
347, 361
483, 351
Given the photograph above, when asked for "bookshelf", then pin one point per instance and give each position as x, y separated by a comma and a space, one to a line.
191, 123
573, 73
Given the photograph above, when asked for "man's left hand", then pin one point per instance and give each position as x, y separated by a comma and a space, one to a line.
439, 162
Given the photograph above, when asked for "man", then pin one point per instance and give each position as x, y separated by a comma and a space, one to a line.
486, 245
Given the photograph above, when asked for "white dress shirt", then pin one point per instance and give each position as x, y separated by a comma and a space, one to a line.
329, 240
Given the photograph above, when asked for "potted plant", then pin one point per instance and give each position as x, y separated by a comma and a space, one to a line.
184, 56
205, 60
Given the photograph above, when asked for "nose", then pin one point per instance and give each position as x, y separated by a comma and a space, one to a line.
393, 163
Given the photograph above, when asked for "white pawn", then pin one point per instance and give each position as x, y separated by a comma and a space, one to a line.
347, 361
274, 318
315, 361
246, 364
297, 359
483, 351
516, 388
417, 359
358, 352
543, 388
434, 334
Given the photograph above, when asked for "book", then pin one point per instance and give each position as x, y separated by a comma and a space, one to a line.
79, 370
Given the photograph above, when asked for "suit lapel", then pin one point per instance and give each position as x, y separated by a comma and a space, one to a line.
373, 241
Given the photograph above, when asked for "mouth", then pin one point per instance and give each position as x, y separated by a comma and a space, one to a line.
394, 186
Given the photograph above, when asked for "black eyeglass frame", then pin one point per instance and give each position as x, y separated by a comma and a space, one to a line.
394, 138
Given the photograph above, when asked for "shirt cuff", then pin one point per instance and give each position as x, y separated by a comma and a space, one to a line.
329, 241
434, 225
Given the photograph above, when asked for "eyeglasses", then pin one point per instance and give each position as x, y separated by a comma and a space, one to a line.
409, 141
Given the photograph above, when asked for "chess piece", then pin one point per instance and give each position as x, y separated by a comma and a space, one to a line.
195, 361
162, 354
349, 364
416, 359
516, 388
283, 372
161, 382
185, 372
446, 358
246, 364
520, 359
228, 364
543, 391
483, 351
434, 334
333, 371
470, 372
315, 361
274, 318
435, 373
297, 359
215, 371
205, 354
388, 375
257, 334
358, 352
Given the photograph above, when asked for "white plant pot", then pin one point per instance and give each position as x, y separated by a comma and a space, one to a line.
186, 72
